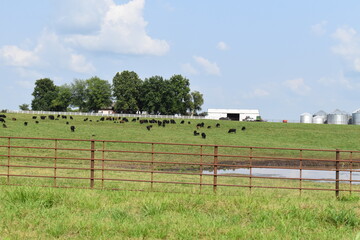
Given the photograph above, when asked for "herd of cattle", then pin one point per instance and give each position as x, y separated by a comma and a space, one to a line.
149, 123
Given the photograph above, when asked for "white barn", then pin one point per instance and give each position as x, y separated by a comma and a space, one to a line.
233, 114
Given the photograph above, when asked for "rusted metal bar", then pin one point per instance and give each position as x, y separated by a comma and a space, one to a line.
300, 168
201, 168
55, 161
92, 164
250, 167
152, 166
216, 150
337, 173
8, 161
103, 164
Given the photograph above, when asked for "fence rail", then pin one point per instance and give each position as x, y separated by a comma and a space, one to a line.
151, 166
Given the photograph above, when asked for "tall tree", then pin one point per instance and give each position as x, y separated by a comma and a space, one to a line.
153, 90
196, 102
63, 98
179, 89
126, 90
24, 107
79, 95
44, 93
99, 94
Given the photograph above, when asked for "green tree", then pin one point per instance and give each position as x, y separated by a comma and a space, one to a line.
126, 90
63, 98
98, 94
79, 97
196, 101
178, 89
153, 90
24, 107
44, 93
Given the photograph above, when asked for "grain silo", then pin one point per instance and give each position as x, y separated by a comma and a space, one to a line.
338, 117
320, 117
306, 118
356, 117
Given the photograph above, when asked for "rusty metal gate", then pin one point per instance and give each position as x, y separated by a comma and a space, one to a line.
151, 166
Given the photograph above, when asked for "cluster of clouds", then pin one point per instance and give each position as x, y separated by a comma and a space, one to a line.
90, 26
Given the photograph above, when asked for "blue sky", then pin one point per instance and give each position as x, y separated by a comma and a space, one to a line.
281, 57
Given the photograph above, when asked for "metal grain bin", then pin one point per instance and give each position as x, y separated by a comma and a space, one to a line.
319, 119
356, 117
306, 118
338, 117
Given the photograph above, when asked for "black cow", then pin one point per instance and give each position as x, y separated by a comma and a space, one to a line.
208, 127
243, 128
2, 120
67, 123
4, 125
72, 128
218, 125
196, 133
43, 117
2, 116
71, 117
36, 122
34, 117
182, 122
149, 127
25, 124
232, 130
203, 135
51, 117
14, 119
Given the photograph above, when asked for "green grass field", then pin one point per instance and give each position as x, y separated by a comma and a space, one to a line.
233, 213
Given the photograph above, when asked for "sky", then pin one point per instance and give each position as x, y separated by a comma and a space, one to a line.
281, 57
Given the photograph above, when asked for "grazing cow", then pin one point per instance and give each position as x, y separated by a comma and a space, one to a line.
34, 117
243, 128
2, 116
67, 123
189, 122
133, 120
218, 125
14, 119
203, 135
149, 127
71, 117
200, 125
2, 120
86, 119
25, 124
43, 117
72, 128
4, 125
232, 130
172, 121
102, 119
36, 122
182, 122
51, 117
208, 127
196, 133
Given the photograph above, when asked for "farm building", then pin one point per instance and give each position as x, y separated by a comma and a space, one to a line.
234, 114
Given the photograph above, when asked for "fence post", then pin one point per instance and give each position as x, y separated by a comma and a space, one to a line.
215, 167
92, 163
337, 173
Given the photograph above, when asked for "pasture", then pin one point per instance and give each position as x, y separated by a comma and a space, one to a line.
33, 213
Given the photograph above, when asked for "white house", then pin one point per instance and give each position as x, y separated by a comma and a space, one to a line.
234, 114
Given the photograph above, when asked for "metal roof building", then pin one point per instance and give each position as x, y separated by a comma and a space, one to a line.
233, 114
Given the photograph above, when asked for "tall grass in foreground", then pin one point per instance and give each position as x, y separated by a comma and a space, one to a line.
43, 213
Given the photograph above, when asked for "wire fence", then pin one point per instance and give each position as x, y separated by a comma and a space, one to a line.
170, 167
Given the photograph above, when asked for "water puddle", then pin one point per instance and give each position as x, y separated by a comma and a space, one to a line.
323, 176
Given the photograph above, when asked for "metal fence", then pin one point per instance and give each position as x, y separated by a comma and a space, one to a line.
106, 114
151, 166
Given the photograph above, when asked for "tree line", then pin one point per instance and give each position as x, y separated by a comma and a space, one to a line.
127, 94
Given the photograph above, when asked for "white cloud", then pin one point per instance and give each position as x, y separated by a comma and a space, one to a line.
319, 28
14, 56
298, 86
348, 46
207, 66
189, 69
122, 30
48, 52
222, 46
258, 92
339, 81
